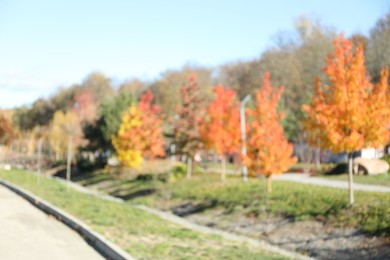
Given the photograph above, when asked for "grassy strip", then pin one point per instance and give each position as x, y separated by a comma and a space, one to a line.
371, 212
143, 235
380, 179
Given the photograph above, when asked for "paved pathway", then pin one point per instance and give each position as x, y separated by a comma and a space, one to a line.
28, 233
305, 178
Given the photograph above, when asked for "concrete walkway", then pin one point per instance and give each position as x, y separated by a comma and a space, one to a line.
306, 179
28, 233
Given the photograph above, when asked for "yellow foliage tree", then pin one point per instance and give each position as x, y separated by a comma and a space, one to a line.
58, 140
127, 142
140, 133
64, 125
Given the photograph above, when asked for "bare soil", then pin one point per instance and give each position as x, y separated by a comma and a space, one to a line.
309, 237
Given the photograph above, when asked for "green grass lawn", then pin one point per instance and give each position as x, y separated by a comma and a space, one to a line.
381, 179
371, 212
142, 234
217, 165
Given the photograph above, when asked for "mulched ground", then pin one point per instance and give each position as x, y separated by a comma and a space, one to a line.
309, 237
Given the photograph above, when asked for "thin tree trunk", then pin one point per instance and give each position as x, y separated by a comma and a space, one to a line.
350, 178
223, 168
57, 151
2, 155
189, 167
269, 184
318, 159
69, 161
50, 150
39, 159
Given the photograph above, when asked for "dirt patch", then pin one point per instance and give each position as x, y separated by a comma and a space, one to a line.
309, 237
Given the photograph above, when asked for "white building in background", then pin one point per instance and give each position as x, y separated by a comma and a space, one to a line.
371, 153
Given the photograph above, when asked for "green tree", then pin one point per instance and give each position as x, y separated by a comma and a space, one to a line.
100, 133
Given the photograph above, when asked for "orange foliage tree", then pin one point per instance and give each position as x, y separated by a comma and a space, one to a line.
140, 134
350, 113
152, 136
221, 129
268, 152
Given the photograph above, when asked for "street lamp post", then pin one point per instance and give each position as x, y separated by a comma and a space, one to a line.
243, 135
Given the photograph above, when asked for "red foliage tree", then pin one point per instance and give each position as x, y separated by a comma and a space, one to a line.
186, 122
85, 106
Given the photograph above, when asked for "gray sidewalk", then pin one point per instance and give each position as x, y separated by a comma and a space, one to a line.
28, 233
306, 179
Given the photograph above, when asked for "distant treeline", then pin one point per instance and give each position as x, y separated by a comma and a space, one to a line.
294, 60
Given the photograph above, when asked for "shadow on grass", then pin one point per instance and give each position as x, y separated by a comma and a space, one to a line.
190, 208
338, 169
133, 195
86, 179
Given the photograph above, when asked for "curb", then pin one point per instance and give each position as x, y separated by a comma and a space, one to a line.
99, 243
193, 226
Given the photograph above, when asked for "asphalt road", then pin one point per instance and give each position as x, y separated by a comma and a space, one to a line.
28, 233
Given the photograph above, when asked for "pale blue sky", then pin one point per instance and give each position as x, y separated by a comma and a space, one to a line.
48, 44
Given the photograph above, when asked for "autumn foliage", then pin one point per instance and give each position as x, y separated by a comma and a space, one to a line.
127, 142
6, 129
268, 152
350, 113
139, 135
186, 122
221, 129
64, 126
152, 137
85, 106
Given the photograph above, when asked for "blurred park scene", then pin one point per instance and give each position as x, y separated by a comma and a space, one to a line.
280, 154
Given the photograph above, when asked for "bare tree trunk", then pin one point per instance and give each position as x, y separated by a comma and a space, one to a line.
223, 168
269, 184
50, 150
57, 151
206, 161
69, 161
189, 167
350, 178
318, 161
39, 159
